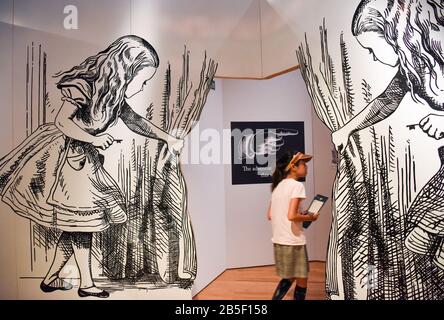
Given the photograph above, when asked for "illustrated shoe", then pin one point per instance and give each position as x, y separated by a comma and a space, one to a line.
56, 284
83, 293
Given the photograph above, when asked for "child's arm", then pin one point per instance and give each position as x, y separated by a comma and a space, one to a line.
295, 215
142, 126
65, 124
269, 211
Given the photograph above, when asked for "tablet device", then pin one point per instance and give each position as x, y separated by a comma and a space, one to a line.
317, 203
315, 206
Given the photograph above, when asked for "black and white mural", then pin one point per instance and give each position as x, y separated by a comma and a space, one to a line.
255, 146
387, 123
127, 228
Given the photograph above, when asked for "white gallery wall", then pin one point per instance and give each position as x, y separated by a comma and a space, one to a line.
324, 174
28, 30
229, 222
8, 271
375, 209
382, 102
205, 182
279, 99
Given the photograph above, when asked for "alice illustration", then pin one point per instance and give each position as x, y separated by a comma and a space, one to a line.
56, 176
408, 35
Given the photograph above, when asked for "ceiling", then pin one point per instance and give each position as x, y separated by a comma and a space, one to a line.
249, 38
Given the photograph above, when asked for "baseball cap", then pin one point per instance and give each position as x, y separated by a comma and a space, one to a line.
298, 156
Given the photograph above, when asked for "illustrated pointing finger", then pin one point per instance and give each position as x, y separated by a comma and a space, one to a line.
423, 122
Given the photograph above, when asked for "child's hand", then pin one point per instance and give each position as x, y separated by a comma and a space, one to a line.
433, 126
314, 216
175, 145
103, 141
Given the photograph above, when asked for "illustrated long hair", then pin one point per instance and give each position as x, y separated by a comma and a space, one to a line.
415, 30
110, 71
279, 173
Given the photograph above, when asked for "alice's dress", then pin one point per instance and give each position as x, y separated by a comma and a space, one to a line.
60, 182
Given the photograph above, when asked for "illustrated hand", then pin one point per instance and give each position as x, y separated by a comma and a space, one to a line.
103, 141
340, 139
175, 145
433, 125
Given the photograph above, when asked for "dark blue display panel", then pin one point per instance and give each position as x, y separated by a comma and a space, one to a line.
255, 146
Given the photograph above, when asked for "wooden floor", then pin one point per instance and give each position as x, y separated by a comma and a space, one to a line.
259, 283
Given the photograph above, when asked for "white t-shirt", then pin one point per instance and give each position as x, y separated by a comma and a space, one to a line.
286, 232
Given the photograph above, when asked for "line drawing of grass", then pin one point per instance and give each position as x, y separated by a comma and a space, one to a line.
157, 243
374, 187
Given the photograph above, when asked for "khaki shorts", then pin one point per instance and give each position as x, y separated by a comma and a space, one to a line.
291, 261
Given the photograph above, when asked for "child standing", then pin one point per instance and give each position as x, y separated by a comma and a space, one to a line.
290, 252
